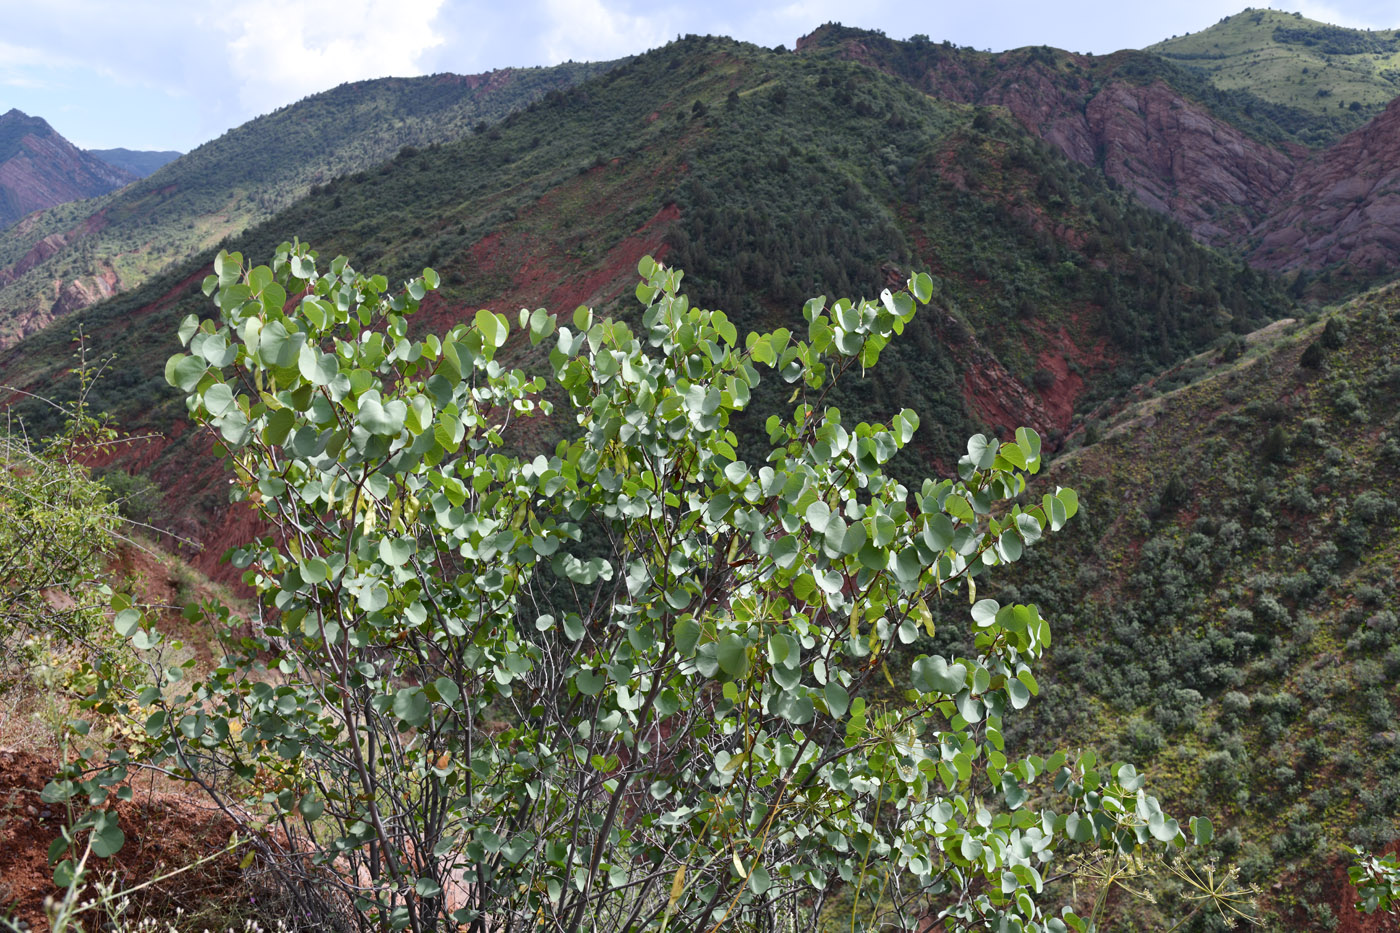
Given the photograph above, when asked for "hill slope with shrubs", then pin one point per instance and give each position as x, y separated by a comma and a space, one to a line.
1222, 604
1227, 603
755, 172
1316, 74
100, 246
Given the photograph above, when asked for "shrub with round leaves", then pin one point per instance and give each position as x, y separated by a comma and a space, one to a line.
645, 679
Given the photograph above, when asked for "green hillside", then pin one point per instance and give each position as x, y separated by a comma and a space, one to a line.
1226, 605
1057, 77
1344, 75
241, 178
139, 162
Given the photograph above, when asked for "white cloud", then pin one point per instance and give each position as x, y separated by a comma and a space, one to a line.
588, 30
1356, 18
19, 56
282, 52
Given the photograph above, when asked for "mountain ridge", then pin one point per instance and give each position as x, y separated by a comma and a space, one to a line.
139, 162
75, 254
1244, 186
40, 169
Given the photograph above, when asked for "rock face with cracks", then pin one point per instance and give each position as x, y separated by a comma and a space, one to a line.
1343, 206
1288, 208
1170, 152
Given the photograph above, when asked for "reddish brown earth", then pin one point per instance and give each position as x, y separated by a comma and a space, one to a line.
67, 296
1172, 153
1290, 208
164, 832
1178, 158
1063, 349
1341, 897
998, 398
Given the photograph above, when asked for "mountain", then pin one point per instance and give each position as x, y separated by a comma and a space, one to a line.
139, 162
769, 178
1183, 138
67, 258
1177, 143
1223, 599
1342, 207
39, 169
1331, 77
1228, 165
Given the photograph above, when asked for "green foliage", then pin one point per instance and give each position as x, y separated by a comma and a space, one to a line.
139, 162
56, 528
775, 203
943, 68
1197, 634
634, 683
1377, 881
57, 533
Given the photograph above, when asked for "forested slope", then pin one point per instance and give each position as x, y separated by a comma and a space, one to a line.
755, 172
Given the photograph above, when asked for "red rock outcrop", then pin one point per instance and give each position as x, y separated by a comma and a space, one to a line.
1172, 153
1176, 157
1343, 206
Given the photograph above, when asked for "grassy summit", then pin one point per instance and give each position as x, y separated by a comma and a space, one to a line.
1295, 62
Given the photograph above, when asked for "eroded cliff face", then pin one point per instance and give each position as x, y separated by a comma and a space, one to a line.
1176, 157
1342, 206
40, 169
1287, 207
1171, 152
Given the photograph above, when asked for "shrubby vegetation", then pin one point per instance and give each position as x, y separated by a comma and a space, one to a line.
1241, 641
776, 202
1312, 80
637, 683
56, 528
1226, 629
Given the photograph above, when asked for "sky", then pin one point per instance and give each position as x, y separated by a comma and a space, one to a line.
171, 74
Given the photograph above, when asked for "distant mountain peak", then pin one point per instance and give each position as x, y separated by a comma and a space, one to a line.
139, 162
40, 169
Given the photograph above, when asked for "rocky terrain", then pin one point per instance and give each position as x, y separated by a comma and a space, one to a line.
1287, 206
1342, 206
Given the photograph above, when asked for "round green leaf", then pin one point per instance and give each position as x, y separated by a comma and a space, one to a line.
107, 836
411, 705
936, 675
589, 682
732, 652
395, 551
837, 699
311, 807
